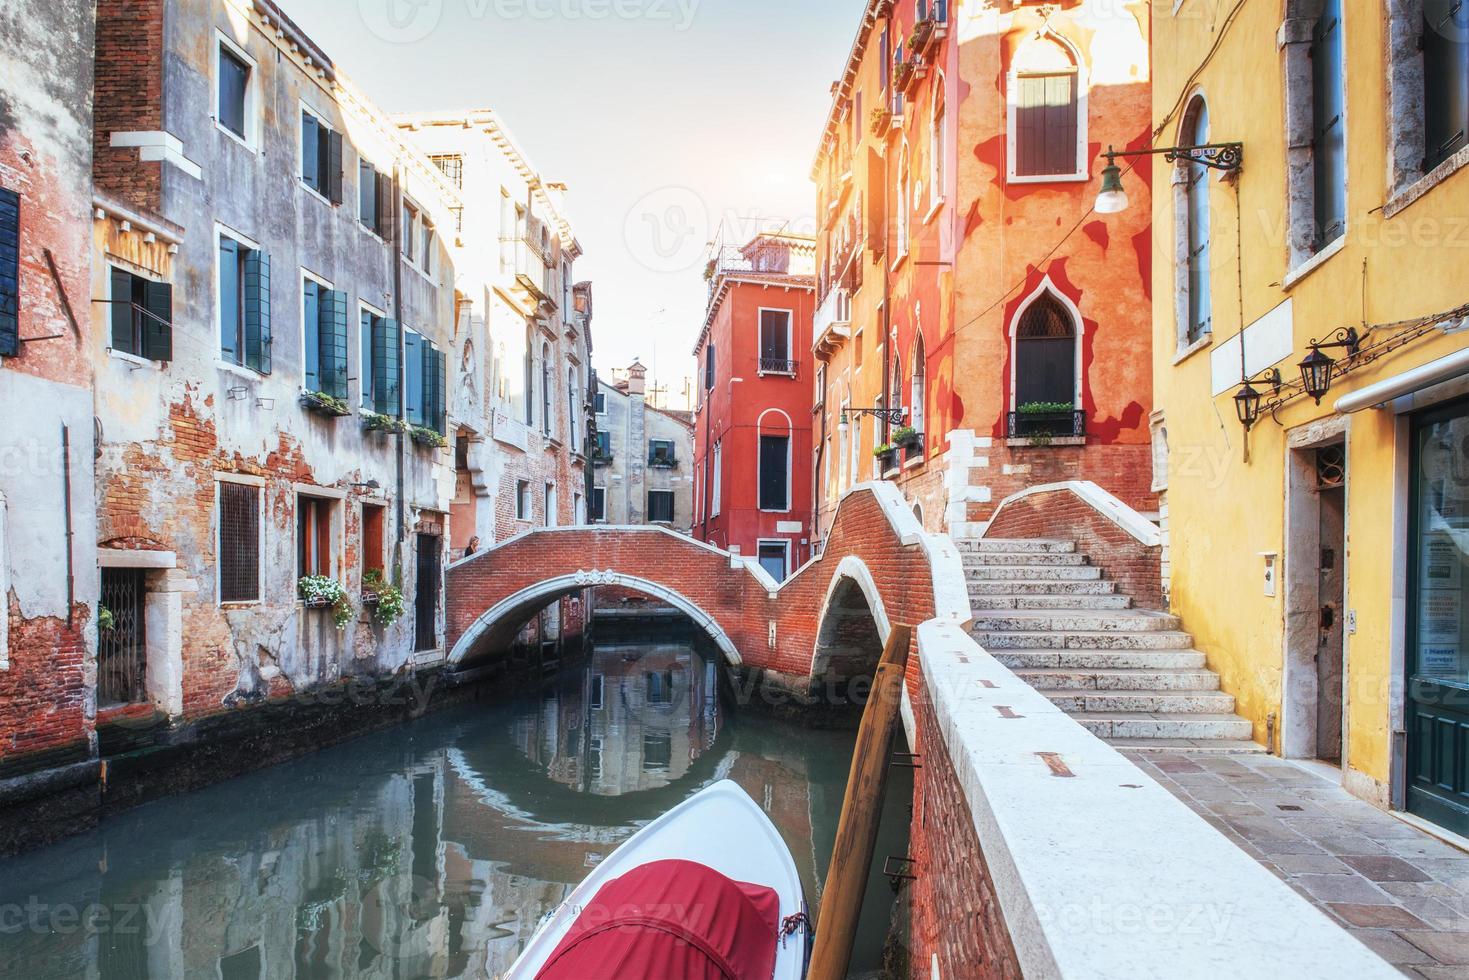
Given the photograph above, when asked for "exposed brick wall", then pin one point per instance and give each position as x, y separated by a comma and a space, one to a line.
45, 697
129, 98
1136, 567
1125, 471
955, 912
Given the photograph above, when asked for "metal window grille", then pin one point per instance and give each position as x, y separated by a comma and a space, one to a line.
239, 542
121, 650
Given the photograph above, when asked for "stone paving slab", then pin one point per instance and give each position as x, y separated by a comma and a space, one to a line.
1401, 891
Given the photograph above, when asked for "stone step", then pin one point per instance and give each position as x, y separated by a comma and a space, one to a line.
1119, 679
1034, 558
1193, 746
1080, 640
1075, 620
1151, 724
1099, 660
1084, 603
1033, 573
1014, 545
1150, 702
1051, 587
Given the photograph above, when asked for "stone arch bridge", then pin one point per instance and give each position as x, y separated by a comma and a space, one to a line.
826, 621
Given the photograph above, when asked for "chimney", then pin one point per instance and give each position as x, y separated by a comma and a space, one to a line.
636, 378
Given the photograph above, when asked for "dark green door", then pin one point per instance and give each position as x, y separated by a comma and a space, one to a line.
1438, 646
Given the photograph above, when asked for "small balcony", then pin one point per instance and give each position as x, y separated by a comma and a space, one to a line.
524, 259
833, 322
1047, 427
662, 461
778, 365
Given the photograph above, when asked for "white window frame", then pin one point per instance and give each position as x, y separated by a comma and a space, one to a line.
251, 140
591, 509
671, 496
717, 491
790, 316
301, 155
225, 231
413, 214
335, 568
1013, 330
305, 275
790, 436
258, 483
785, 546
549, 503
523, 508
1012, 88
904, 206
937, 142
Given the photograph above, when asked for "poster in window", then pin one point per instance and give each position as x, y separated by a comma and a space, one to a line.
1440, 623
1441, 563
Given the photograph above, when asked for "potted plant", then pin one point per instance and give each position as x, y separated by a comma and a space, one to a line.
383, 597
321, 592
887, 456
425, 436
902, 75
922, 33
880, 118
106, 621
385, 424
1039, 421
323, 404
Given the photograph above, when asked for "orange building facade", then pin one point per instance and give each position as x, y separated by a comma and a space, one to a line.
965, 286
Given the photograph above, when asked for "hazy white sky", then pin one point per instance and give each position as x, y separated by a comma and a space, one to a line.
663, 116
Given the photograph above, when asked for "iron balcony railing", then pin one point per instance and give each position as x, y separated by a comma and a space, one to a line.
777, 365
1047, 425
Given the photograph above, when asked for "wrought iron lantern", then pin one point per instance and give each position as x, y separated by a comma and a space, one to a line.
1318, 368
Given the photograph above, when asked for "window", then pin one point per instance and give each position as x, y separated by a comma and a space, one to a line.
9, 273
427, 245
660, 506
709, 368
657, 751
546, 389
239, 542
375, 200
314, 535
718, 488
661, 453
1445, 79
1046, 115
324, 337
425, 370
548, 503
530, 378
413, 376
918, 392
380, 347
452, 164
600, 401
234, 94
775, 462
775, 342
1328, 126
1199, 313
522, 500
599, 504
142, 316
604, 444
1045, 354
410, 224
373, 522
321, 157
937, 145
244, 304
596, 691
774, 557
900, 204
573, 387
122, 650
659, 684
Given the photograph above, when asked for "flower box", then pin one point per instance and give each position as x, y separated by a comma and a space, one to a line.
323, 404
425, 436
881, 119
387, 425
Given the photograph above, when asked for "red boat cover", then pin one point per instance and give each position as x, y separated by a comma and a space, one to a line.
671, 920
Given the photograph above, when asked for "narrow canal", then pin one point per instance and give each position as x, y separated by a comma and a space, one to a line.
431, 850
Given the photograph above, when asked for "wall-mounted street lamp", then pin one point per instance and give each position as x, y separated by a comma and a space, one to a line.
892, 416
1247, 399
1317, 369
1219, 156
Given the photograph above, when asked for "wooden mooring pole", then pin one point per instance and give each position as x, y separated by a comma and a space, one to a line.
851, 857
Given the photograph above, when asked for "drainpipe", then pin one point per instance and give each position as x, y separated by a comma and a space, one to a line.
66, 504
395, 247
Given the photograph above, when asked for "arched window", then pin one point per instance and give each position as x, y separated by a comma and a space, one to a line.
546, 389
1046, 109
918, 393
901, 203
938, 140
774, 461
1045, 354
897, 383
529, 390
1198, 319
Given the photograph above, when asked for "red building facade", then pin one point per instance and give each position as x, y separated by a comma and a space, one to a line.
752, 430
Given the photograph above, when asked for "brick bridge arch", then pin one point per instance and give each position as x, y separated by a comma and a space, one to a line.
828, 619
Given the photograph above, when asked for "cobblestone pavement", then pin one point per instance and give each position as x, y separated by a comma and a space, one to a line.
1401, 891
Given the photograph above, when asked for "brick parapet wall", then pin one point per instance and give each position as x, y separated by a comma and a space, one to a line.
1136, 567
1124, 470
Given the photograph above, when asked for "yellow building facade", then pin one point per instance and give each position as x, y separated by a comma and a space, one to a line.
1318, 557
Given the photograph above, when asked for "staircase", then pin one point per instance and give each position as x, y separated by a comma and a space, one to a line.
1130, 676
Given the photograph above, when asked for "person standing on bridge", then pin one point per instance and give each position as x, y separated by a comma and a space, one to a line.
472, 547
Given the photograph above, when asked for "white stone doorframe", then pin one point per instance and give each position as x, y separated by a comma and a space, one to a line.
163, 621
1302, 597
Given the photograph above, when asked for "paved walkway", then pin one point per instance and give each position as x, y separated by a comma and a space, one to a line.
1401, 891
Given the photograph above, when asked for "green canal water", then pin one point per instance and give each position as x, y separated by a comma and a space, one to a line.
431, 850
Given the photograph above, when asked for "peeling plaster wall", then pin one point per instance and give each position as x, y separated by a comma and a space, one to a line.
47, 642
169, 429
631, 424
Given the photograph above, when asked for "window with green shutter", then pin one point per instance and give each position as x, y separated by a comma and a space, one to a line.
1045, 124
142, 316
244, 305
257, 311
324, 336
9, 273
321, 157
387, 344
413, 377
